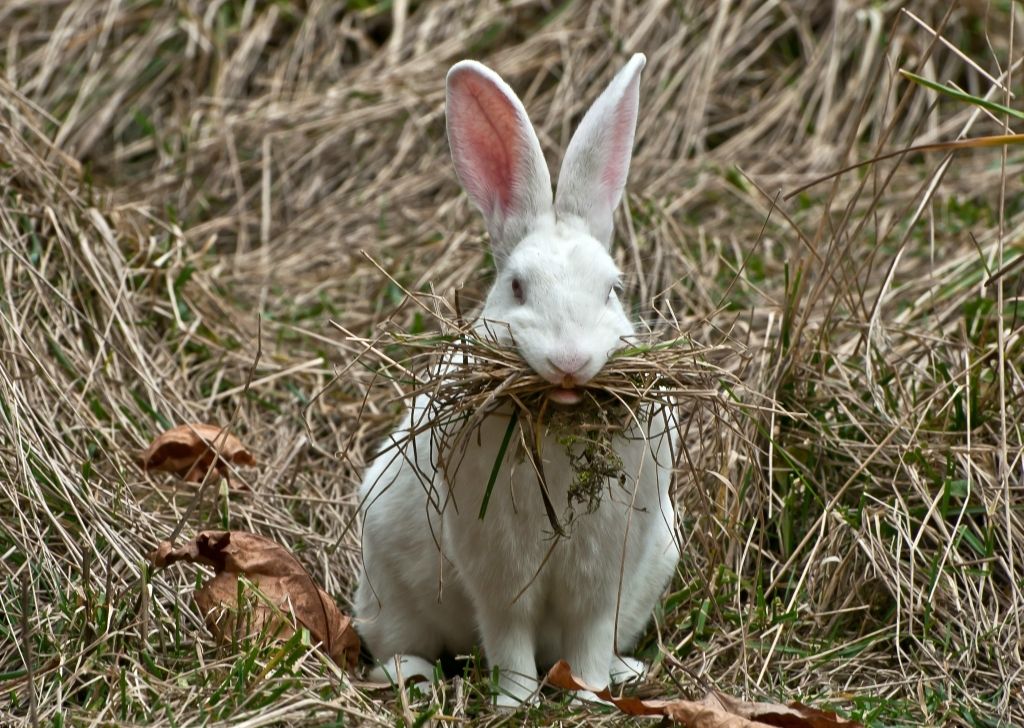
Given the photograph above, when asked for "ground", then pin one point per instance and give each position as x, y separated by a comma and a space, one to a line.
192, 192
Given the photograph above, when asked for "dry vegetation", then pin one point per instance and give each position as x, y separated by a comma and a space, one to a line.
185, 189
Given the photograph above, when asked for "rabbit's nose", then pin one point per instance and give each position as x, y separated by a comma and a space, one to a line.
568, 365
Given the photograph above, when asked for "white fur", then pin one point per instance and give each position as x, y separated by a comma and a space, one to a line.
436, 577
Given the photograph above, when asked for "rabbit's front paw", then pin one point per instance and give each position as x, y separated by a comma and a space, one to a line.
586, 697
627, 669
410, 667
516, 688
511, 702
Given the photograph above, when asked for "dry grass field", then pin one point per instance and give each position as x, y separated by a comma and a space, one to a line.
192, 191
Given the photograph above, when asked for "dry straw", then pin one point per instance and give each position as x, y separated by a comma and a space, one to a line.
168, 170
468, 371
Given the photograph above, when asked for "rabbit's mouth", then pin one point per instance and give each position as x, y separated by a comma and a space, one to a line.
565, 395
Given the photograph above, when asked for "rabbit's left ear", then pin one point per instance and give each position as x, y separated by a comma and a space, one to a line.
496, 153
596, 162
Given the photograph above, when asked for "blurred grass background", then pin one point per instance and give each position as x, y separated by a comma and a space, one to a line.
186, 183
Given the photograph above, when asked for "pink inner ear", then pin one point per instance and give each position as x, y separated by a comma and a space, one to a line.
620, 149
487, 138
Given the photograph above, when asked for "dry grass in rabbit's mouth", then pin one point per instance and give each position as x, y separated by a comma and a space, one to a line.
469, 375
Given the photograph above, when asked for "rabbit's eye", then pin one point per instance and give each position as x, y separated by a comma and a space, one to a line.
517, 291
614, 289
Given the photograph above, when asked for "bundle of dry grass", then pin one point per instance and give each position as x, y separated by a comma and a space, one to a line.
466, 372
465, 369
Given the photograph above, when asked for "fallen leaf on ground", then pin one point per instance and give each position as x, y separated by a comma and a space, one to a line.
716, 710
183, 450
281, 579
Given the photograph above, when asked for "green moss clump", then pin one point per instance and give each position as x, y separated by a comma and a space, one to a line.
594, 462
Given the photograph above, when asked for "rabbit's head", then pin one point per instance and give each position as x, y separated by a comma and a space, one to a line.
555, 296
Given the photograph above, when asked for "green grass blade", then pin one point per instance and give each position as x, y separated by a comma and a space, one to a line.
961, 96
512, 422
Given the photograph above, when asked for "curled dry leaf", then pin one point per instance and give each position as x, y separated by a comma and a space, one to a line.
716, 710
183, 450
280, 577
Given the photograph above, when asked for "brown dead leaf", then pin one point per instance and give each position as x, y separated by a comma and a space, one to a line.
716, 710
280, 578
792, 715
183, 450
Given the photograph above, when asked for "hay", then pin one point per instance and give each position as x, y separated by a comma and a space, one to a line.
176, 177
467, 374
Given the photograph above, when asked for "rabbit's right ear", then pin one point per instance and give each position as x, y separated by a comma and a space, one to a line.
596, 162
496, 153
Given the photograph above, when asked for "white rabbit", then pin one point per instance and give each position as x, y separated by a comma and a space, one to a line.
437, 578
